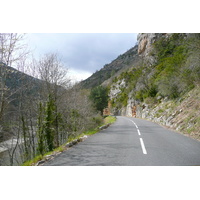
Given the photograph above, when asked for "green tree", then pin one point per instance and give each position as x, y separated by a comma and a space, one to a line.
99, 96
49, 123
40, 131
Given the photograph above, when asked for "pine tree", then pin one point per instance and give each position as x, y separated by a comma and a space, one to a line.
99, 96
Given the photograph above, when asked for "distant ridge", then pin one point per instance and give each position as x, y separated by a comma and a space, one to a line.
109, 71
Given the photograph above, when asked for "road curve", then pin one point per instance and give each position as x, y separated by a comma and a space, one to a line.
132, 142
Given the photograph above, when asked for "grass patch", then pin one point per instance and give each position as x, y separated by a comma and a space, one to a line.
33, 161
109, 120
91, 132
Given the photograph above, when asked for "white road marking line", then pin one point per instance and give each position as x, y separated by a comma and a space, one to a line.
138, 131
135, 126
133, 123
143, 147
141, 140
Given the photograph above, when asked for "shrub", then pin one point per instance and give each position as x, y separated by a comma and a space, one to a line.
98, 120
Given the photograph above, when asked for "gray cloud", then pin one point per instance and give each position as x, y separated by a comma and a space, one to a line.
83, 51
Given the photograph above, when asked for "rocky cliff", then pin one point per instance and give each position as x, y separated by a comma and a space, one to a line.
159, 89
145, 45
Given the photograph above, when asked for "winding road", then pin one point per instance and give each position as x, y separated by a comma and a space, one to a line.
132, 142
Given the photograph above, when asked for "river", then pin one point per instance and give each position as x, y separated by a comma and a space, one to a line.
6, 149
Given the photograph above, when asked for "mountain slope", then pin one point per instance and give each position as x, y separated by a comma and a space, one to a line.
109, 71
158, 80
16, 81
166, 86
16, 78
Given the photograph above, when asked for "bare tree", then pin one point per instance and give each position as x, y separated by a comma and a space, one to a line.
12, 50
55, 82
47, 111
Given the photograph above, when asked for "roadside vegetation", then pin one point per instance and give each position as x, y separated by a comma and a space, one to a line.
41, 111
106, 121
176, 71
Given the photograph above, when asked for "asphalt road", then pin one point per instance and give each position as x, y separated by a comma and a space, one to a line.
132, 142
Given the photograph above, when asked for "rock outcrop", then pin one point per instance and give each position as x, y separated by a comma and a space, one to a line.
180, 115
145, 45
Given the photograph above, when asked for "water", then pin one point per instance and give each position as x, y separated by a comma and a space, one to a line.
6, 149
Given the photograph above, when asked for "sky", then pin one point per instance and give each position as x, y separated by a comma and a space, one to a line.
82, 53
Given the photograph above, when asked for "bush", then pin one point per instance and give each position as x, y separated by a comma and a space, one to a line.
172, 54
98, 120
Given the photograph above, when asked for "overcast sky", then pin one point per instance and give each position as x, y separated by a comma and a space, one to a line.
82, 53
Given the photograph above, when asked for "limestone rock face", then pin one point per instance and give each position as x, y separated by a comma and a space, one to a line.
145, 45
146, 40
116, 89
